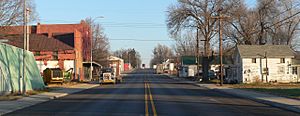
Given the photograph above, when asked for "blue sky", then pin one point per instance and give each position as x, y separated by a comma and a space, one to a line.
123, 19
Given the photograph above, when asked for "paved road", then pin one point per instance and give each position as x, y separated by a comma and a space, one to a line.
144, 93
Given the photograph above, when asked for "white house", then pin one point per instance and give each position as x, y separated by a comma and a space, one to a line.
263, 63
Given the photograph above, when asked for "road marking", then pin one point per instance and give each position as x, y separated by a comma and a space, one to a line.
151, 100
146, 101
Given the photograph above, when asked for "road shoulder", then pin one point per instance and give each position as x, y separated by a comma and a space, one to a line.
272, 100
10, 106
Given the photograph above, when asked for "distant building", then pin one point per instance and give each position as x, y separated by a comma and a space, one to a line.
188, 66
117, 64
62, 46
127, 66
48, 52
262, 63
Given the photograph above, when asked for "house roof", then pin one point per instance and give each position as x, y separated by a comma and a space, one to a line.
273, 51
114, 58
37, 42
67, 38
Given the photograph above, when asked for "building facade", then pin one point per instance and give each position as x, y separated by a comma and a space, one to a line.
77, 38
117, 64
263, 63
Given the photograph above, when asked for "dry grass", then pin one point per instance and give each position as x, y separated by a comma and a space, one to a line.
287, 90
10, 97
50, 87
261, 85
53, 85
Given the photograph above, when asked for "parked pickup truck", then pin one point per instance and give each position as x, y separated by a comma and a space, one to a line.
108, 76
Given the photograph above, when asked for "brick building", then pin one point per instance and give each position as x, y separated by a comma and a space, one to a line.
55, 45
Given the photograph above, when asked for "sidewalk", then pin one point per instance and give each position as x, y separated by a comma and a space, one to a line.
272, 100
10, 106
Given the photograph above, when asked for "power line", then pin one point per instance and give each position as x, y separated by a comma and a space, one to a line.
278, 22
286, 10
134, 27
284, 19
109, 23
138, 40
119, 25
136, 23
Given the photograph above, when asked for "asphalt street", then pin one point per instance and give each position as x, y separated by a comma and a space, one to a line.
145, 93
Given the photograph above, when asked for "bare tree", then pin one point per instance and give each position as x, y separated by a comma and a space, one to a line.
284, 23
161, 53
129, 56
186, 44
198, 14
11, 12
100, 43
270, 22
242, 26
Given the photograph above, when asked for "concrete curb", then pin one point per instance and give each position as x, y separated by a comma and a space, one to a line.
292, 108
11, 106
271, 103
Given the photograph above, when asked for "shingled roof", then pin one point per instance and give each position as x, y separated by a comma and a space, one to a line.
37, 42
272, 51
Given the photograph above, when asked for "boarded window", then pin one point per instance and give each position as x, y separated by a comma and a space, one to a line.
253, 60
282, 60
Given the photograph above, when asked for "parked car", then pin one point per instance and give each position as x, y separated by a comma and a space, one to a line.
211, 75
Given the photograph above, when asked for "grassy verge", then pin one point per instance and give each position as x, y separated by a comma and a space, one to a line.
287, 90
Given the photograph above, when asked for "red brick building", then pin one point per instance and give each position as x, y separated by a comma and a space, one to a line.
55, 42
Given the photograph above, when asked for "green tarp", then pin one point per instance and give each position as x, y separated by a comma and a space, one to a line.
188, 60
191, 60
11, 69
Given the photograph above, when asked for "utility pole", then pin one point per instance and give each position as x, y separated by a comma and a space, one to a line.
221, 49
91, 42
22, 88
220, 18
27, 29
91, 67
197, 52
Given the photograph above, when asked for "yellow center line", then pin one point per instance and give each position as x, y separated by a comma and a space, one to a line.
146, 101
152, 102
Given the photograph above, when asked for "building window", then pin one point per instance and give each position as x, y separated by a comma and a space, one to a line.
282, 60
294, 70
55, 55
253, 60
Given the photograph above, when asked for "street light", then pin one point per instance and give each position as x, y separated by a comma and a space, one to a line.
91, 27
